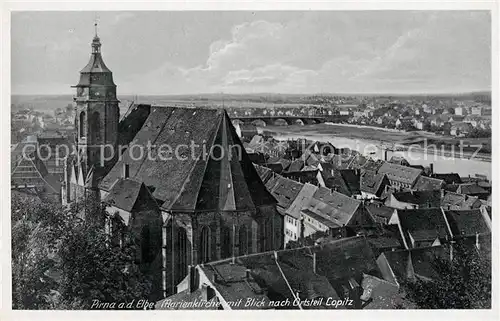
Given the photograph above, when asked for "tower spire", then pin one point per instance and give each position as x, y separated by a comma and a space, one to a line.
95, 25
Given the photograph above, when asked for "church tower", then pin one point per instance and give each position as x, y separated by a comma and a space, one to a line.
97, 113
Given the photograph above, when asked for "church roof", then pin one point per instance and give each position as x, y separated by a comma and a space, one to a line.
192, 180
127, 193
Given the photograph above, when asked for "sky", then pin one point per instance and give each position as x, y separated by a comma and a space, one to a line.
189, 52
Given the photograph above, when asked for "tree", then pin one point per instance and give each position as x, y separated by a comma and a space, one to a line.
464, 283
62, 261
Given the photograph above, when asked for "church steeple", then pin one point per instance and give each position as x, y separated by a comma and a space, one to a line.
97, 110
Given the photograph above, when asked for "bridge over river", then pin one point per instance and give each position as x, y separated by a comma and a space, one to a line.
278, 120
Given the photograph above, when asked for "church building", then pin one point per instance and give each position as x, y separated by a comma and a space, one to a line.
178, 179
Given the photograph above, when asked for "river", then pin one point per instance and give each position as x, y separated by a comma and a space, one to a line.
464, 166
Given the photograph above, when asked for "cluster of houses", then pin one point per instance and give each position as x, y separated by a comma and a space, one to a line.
454, 121
448, 118
25, 121
355, 229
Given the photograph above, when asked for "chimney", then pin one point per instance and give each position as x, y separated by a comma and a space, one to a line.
248, 275
431, 168
126, 170
478, 246
215, 279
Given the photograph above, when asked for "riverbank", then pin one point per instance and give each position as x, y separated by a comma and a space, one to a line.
479, 148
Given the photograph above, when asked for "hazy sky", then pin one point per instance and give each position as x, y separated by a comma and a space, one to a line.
287, 52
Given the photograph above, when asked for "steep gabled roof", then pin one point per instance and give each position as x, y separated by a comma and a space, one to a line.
425, 183
423, 224
379, 210
192, 180
344, 181
333, 206
284, 190
296, 166
421, 198
462, 201
129, 195
370, 182
373, 165
405, 174
302, 200
265, 173
30, 171
466, 223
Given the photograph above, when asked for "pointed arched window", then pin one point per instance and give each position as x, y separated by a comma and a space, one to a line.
81, 123
205, 244
182, 253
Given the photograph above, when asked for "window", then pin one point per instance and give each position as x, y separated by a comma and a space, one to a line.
226, 244
82, 124
205, 244
182, 253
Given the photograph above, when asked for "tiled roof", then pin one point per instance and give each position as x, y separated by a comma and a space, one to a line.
421, 198
425, 183
233, 284
459, 201
29, 170
404, 174
418, 221
373, 165
265, 173
193, 182
284, 190
296, 166
342, 161
467, 222
400, 263
126, 193
352, 180
358, 162
336, 263
334, 206
471, 188
405, 263
370, 182
449, 178
398, 160
304, 176
379, 210
302, 200
384, 242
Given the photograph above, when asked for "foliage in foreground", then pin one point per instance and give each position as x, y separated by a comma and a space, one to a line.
464, 283
60, 261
